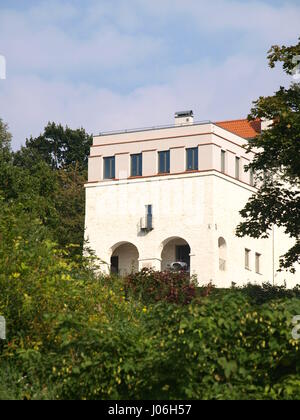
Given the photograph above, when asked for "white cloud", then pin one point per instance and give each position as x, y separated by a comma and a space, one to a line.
213, 92
48, 44
32, 47
257, 19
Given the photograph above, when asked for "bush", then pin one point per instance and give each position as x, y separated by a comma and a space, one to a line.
225, 347
73, 334
154, 286
268, 292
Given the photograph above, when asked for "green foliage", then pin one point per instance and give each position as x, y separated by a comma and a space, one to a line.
224, 348
70, 206
10, 378
284, 55
59, 147
5, 141
276, 163
267, 292
73, 334
47, 178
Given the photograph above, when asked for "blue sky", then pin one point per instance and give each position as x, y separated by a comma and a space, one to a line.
105, 64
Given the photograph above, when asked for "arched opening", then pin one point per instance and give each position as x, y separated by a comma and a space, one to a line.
124, 259
175, 249
222, 254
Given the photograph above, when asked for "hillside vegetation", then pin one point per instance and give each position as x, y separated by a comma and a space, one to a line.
73, 334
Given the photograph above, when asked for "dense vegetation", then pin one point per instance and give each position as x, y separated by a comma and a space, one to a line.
46, 179
73, 334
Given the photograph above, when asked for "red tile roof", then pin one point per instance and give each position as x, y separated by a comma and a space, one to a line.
243, 128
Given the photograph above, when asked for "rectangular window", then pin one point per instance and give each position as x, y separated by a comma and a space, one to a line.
237, 168
149, 216
137, 165
257, 263
109, 168
149, 209
247, 258
192, 159
164, 162
223, 161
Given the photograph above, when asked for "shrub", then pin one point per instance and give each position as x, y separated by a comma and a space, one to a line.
154, 286
73, 334
268, 292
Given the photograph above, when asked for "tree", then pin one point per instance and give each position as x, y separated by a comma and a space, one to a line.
70, 205
277, 162
57, 162
5, 150
5, 139
59, 147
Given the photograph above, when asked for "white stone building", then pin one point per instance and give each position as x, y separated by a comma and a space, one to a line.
165, 194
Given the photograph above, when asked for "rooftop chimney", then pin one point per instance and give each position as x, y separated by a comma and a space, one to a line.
184, 118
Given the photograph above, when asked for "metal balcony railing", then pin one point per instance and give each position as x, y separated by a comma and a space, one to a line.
156, 127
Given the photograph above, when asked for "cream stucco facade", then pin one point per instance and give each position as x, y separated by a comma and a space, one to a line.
194, 212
